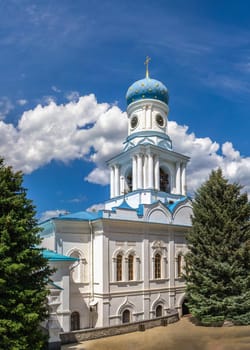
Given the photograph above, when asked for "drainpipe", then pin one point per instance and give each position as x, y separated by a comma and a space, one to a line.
92, 271
92, 261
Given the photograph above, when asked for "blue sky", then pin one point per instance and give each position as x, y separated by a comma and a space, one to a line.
65, 67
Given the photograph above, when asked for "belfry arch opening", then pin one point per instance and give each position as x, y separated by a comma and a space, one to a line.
164, 180
128, 181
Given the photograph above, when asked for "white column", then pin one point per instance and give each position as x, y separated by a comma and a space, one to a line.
145, 171
139, 171
122, 185
134, 173
183, 180
178, 178
176, 266
137, 275
112, 182
150, 171
117, 180
148, 113
113, 269
157, 173
153, 269
164, 267
125, 278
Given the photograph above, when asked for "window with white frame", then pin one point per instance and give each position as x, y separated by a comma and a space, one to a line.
131, 267
119, 267
157, 266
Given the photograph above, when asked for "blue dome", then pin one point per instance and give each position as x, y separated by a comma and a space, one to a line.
147, 88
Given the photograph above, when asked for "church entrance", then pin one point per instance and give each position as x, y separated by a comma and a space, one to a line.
75, 321
184, 308
126, 316
158, 311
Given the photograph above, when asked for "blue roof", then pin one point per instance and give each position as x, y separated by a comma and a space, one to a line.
81, 215
55, 285
147, 88
173, 206
124, 205
53, 256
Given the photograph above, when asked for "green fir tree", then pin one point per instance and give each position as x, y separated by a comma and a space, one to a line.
218, 262
24, 272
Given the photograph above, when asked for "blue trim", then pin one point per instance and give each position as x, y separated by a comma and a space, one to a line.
124, 205
173, 206
148, 190
147, 134
140, 210
81, 215
55, 285
53, 256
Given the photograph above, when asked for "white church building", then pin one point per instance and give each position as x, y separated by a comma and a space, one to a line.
125, 262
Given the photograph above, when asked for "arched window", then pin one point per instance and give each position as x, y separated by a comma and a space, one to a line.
75, 321
119, 267
164, 181
158, 311
157, 271
130, 267
126, 316
179, 265
76, 270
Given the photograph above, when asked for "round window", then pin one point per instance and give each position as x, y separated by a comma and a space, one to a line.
160, 120
134, 121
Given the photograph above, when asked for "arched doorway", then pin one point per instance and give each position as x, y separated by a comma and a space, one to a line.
75, 321
126, 316
184, 308
158, 311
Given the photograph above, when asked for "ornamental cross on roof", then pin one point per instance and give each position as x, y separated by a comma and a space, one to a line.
146, 63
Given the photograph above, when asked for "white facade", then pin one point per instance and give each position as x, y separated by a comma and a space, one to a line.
129, 255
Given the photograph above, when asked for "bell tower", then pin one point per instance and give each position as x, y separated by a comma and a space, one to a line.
148, 169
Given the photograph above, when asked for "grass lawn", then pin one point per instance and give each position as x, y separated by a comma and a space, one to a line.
177, 336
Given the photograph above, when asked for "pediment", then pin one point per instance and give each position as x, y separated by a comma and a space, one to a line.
158, 213
182, 215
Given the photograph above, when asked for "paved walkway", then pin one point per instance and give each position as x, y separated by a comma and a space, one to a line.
176, 336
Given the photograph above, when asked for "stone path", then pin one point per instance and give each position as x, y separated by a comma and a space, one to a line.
176, 336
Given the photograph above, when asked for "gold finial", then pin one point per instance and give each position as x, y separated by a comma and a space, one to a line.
146, 63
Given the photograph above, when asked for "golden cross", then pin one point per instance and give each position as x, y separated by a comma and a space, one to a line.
146, 63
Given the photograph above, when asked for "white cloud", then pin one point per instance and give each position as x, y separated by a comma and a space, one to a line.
204, 154
55, 89
52, 214
79, 199
22, 102
5, 107
95, 132
72, 96
58, 132
96, 207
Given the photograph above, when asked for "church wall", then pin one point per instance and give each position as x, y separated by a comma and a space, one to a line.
48, 235
48, 242
143, 294
155, 292
80, 304
183, 216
